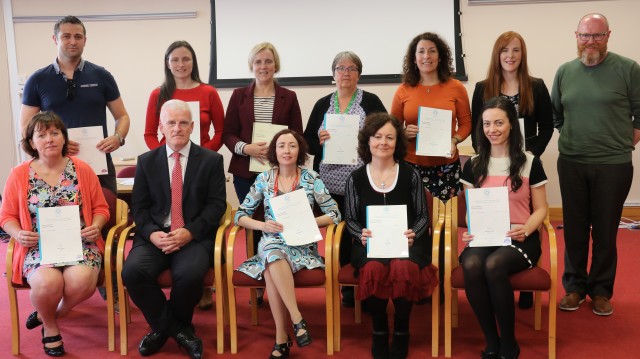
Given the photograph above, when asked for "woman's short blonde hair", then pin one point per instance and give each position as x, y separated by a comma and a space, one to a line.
264, 46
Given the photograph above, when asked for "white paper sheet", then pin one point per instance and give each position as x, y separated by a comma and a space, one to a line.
194, 106
387, 225
59, 229
293, 211
434, 132
88, 138
263, 132
342, 147
488, 216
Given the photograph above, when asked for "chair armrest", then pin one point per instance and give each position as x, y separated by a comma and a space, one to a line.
124, 235
9, 261
550, 234
328, 250
335, 253
436, 232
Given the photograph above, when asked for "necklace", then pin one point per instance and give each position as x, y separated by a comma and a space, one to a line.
336, 104
293, 185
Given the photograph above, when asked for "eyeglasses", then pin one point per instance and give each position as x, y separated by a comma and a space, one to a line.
71, 89
342, 69
595, 37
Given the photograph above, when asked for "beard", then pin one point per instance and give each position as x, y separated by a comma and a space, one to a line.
591, 58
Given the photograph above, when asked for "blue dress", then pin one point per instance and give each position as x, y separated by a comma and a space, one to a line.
272, 247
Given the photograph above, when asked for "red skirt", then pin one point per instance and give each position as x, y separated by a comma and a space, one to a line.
400, 278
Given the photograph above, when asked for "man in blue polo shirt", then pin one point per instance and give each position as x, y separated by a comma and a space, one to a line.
79, 92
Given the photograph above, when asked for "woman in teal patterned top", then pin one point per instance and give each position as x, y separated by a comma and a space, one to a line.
276, 260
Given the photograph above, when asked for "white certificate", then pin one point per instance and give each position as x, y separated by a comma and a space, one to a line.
88, 138
263, 132
488, 216
59, 229
434, 132
387, 225
293, 211
342, 147
194, 106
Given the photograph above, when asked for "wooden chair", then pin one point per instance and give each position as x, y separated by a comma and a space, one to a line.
213, 279
118, 212
305, 278
541, 278
344, 276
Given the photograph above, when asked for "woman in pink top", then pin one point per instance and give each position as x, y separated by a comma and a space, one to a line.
502, 162
52, 179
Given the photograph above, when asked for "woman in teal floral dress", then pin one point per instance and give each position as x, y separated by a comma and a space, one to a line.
276, 261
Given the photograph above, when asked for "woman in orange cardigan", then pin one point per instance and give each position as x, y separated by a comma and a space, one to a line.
52, 179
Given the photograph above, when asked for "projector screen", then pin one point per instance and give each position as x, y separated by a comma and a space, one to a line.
309, 33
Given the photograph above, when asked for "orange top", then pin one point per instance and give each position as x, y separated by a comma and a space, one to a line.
450, 95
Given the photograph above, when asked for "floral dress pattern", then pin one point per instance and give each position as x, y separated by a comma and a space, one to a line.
272, 247
64, 193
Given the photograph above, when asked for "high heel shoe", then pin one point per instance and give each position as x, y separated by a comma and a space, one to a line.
53, 351
283, 349
33, 321
302, 339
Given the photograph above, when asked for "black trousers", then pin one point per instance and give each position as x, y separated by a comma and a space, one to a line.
188, 267
592, 201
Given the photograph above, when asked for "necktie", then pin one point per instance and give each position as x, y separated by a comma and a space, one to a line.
176, 194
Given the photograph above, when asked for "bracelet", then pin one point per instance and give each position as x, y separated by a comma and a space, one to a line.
457, 140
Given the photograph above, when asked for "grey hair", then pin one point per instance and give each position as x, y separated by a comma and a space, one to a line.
349, 55
174, 105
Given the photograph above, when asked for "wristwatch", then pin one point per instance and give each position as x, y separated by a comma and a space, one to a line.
120, 138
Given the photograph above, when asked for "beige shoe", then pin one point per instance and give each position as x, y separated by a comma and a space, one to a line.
571, 302
601, 306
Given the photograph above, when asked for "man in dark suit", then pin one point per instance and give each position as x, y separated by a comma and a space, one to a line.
176, 234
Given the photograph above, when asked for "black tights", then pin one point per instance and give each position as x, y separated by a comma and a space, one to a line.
486, 283
378, 308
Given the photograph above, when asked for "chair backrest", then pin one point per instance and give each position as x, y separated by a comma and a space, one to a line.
112, 201
127, 172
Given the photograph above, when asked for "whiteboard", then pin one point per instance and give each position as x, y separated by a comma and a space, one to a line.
308, 34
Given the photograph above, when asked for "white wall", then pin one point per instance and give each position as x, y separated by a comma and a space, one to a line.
133, 50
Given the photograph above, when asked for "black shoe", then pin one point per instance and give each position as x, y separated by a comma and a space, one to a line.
283, 349
526, 300
380, 345
489, 355
189, 341
514, 355
302, 339
348, 297
33, 321
53, 351
399, 345
152, 343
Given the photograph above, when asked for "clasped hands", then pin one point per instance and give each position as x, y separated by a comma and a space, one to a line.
366, 234
172, 241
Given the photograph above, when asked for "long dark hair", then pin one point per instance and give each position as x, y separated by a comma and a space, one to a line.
168, 87
517, 158
410, 72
